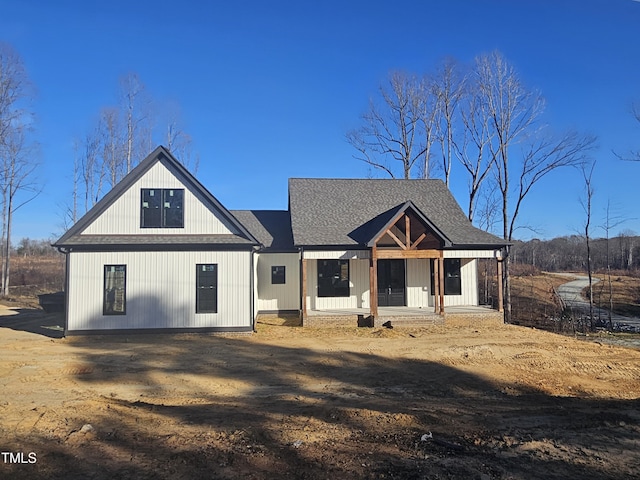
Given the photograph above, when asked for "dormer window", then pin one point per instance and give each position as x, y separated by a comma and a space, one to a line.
162, 208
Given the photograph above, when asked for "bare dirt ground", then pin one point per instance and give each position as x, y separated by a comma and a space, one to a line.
502, 402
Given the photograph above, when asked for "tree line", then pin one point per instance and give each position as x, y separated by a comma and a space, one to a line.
569, 253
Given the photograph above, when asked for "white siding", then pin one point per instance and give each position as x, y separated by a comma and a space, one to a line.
358, 283
336, 254
123, 216
277, 297
469, 283
418, 283
160, 290
472, 253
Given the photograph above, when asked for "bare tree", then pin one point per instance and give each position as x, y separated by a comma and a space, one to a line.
448, 87
18, 167
587, 175
15, 91
17, 162
472, 150
515, 116
135, 106
632, 155
391, 133
611, 221
93, 170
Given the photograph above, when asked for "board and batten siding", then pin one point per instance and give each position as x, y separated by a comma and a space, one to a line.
123, 216
469, 284
358, 287
418, 283
472, 253
272, 298
160, 290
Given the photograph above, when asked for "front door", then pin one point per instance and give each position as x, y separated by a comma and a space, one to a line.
391, 283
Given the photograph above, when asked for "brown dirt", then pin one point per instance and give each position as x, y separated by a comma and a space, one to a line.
500, 403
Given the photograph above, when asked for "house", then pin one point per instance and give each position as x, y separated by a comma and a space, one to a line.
160, 252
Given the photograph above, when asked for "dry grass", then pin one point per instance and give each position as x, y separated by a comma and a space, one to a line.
533, 300
626, 294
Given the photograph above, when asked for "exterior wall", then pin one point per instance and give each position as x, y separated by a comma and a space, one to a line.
469, 284
123, 216
418, 283
337, 254
277, 297
160, 290
358, 283
472, 253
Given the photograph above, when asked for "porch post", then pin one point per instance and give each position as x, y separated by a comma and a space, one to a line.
436, 285
441, 283
373, 283
500, 285
304, 290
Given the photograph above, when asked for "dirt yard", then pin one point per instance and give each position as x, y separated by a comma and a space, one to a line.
482, 403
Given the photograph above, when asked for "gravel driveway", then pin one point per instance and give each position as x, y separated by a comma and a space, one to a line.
571, 294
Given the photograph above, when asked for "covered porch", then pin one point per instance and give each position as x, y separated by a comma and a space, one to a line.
408, 275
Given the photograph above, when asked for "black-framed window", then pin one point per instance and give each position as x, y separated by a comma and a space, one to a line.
206, 288
452, 278
278, 276
115, 288
333, 278
162, 208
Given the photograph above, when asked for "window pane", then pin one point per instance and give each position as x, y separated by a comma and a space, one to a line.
151, 211
115, 301
206, 288
173, 208
452, 283
333, 278
277, 275
452, 280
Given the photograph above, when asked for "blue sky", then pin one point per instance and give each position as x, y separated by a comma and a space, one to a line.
268, 90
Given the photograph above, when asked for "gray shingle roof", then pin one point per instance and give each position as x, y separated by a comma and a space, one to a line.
328, 212
272, 228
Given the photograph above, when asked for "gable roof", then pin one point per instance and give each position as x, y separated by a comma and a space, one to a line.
397, 212
348, 212
74, 237
272, 228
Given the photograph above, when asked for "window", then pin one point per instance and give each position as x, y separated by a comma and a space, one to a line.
207, 288
162, 208
452, 279
333, 278
277, 275
115, 282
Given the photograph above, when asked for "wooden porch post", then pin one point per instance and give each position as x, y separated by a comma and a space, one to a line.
441, 283
436, 285
304, 290
500, 285
373, 283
